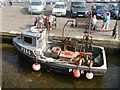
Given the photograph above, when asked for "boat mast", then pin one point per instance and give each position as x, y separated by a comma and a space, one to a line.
87, 39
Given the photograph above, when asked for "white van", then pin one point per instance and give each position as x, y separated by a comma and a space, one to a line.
36, 7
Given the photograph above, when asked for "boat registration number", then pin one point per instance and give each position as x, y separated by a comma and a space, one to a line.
26, 51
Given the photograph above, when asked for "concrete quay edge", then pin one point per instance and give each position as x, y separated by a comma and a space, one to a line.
112, 43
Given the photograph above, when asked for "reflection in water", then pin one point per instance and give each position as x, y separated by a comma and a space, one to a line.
17, 73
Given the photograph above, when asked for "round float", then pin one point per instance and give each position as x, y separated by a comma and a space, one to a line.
36, 66
89, 75
76, 73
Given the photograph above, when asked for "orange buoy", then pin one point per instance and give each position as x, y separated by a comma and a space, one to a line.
89, 75
36, 66
76, 73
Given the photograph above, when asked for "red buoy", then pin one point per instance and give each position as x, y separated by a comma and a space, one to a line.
76, 73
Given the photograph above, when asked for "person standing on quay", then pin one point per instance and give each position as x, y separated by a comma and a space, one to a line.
10, 2
107, 21
94, 22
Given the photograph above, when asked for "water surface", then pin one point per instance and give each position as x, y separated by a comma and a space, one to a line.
17, 73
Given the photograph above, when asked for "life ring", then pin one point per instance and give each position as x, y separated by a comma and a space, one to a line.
56, 49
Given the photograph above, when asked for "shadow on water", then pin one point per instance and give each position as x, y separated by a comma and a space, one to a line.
17, 73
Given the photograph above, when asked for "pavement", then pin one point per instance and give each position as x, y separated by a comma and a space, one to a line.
15, 18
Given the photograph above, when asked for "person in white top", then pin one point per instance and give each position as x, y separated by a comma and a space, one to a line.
51, 20
94, 22
107, 11
40, 21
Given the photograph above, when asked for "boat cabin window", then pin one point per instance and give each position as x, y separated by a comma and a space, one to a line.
28, 40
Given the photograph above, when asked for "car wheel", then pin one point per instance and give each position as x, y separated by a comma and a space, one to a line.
65, 15
72, 16
114, 16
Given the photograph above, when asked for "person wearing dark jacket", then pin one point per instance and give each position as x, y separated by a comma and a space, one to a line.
10, 2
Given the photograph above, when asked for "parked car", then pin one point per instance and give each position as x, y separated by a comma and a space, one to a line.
60, 9
113, 0
36, 7
114, 10
97, 0
98, 10
3, 3
79, 8
105, 1
89, 1
50, 2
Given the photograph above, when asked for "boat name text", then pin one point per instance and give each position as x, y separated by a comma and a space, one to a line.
26, 51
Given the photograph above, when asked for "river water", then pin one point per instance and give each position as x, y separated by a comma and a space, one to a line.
17, 73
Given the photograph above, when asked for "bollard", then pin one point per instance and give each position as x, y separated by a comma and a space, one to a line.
114, 30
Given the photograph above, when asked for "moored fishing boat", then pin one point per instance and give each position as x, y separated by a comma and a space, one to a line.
67, 56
